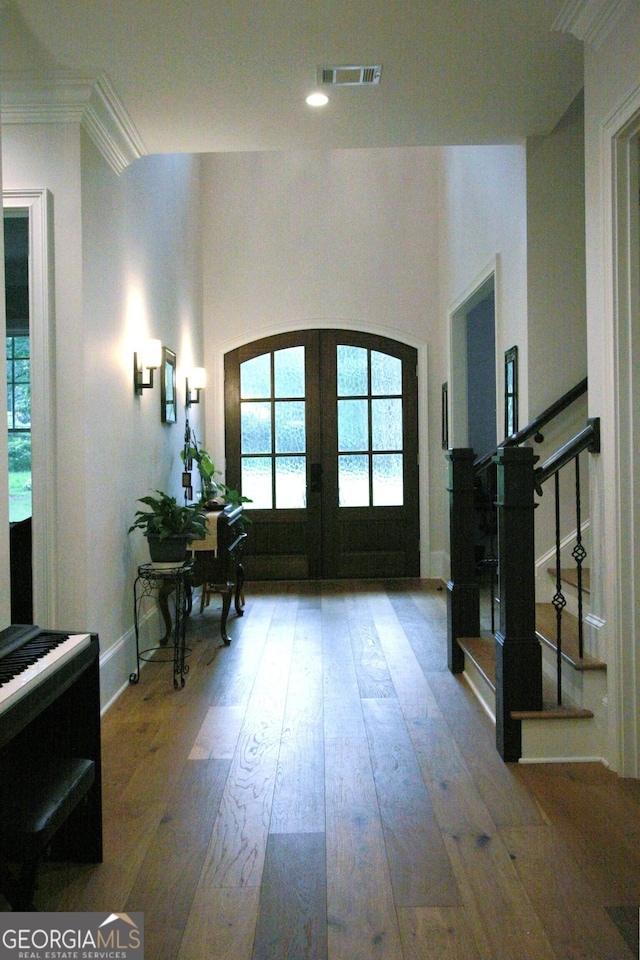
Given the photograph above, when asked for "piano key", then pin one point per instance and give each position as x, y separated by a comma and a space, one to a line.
15, 636
46, 664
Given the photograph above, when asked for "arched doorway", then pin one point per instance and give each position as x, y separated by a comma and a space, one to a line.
321, 432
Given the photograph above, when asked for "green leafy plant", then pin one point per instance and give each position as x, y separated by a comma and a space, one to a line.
166, 518
234, 497
212, 489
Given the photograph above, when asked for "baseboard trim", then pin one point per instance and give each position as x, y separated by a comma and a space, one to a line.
602, 760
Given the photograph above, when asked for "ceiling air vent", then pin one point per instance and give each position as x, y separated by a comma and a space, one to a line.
349, 76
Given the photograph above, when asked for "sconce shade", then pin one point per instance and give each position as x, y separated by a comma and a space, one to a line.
152, 354
195, 382
198, 378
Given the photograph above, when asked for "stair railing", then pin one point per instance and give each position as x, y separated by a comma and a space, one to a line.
588, 439
518, 654
534, 429
483, 464
465, 471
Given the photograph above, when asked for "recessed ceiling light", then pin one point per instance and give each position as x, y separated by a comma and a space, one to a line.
317, 99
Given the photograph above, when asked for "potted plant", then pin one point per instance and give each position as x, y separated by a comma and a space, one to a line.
169, 527
214, 494
210, 489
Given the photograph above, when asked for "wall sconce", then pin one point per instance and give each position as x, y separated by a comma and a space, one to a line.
150, 358
196, 383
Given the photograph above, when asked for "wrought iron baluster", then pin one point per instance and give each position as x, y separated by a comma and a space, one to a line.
559, 601
579, 554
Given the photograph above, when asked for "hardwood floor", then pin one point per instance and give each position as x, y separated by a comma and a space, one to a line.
325, 788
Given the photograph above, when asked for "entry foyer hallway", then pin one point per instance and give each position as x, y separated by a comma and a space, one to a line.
325, 788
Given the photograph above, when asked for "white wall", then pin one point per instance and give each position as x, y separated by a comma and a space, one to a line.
346, 238
557, 330
5, 581
141, 278
612, 101
557, 327
127, 266
484, 227
48, 156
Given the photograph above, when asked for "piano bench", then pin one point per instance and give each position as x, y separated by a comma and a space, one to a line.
36, 797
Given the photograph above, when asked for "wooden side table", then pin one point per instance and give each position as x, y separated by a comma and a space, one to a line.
218, 563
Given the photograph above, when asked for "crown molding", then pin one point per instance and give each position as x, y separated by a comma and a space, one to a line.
111, 128
93, 103
591, 21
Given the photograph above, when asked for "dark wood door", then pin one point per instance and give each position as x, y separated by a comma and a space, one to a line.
322, 435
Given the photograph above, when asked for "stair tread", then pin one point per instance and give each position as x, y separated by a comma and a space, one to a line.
482, 651
551, 711
546, 631
570, 575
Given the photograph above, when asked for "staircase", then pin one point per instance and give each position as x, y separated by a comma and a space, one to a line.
557, 732
526, 661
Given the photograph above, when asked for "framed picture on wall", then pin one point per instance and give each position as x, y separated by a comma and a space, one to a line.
511, 391
168, 411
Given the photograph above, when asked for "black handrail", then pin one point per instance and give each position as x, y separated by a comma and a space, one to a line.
536, 425
587, 439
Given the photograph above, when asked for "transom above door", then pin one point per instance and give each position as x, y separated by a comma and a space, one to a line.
321, 434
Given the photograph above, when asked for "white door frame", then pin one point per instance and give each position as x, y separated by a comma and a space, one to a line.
39, 206
619, 473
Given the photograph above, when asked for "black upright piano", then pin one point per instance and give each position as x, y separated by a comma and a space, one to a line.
50, 716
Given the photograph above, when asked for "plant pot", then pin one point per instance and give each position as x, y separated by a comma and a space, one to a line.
170, 550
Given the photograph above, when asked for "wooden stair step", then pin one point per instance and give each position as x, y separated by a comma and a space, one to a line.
546, 632
570, 575
552, 710
482, 651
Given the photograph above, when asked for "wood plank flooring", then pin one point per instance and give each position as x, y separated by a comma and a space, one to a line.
324, 789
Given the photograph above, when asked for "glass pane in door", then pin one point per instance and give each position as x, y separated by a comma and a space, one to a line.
352, 371
256, 482
387, 480
255, 425
353, 481
353, 425
291, 482
386, 424
372, 422
386, 373
255, 377
273, 429
288, 372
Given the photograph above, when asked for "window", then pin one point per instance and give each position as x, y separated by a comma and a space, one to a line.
19, 426
18, 360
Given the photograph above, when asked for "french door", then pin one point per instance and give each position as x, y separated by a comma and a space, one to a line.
322, 435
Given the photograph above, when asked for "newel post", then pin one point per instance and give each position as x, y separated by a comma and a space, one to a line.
463, 594
518, 653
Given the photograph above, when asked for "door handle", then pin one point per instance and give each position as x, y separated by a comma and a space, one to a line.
315, 478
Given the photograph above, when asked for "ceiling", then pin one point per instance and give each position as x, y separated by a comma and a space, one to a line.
221, 75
